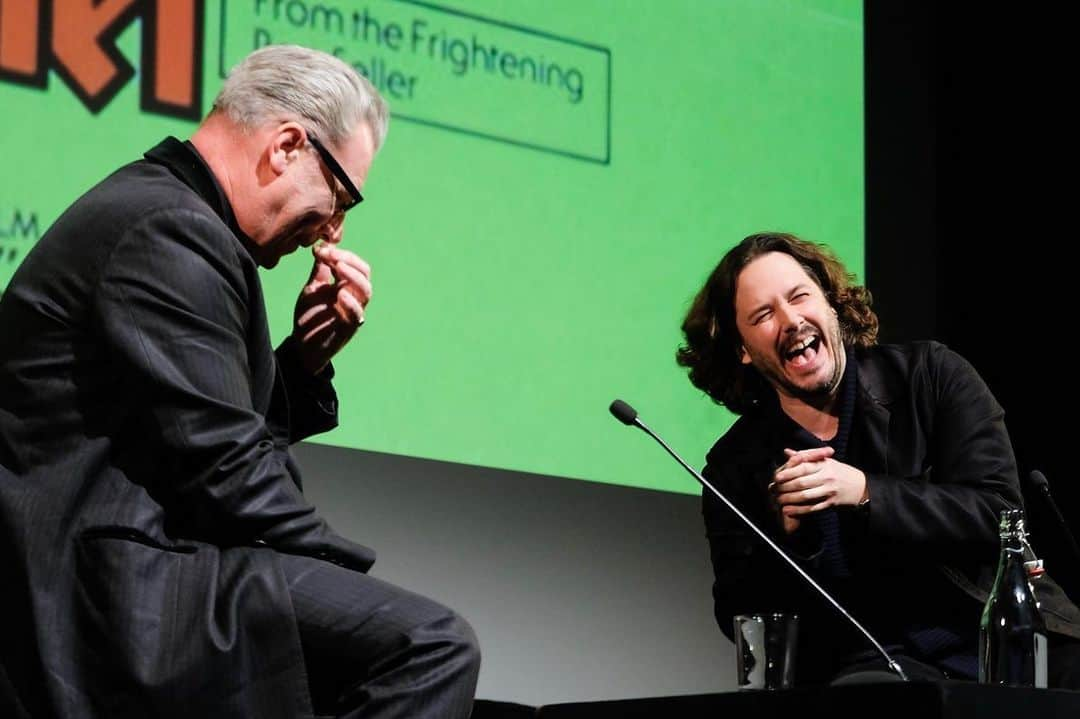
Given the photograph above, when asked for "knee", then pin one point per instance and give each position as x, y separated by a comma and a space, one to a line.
462, 643
441, 652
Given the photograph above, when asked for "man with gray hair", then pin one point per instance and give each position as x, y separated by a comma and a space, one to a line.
162, 560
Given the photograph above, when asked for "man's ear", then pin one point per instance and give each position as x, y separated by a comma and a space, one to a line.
744, 356
284, 146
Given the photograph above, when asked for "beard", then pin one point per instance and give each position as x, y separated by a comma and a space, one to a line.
813, 390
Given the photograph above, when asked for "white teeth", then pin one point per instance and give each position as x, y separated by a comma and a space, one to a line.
800, 346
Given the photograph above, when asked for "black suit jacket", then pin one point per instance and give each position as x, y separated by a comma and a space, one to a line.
939, 467
146, 486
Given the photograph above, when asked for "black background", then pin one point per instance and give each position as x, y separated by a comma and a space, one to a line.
970, 218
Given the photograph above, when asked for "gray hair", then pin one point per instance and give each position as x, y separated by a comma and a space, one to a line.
289, 82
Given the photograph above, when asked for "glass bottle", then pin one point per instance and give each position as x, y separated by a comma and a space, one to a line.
1012, 634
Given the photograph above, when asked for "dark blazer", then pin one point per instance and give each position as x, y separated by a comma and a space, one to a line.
146, 486
939, 467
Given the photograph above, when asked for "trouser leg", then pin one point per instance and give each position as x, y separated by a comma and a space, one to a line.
377, 651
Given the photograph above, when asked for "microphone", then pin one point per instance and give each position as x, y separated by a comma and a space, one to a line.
629, 416
626, 414
1038, 481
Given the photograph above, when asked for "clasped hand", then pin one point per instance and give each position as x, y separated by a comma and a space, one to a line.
810, 481
331, 305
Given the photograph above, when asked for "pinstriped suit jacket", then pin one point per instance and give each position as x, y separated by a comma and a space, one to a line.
146, 485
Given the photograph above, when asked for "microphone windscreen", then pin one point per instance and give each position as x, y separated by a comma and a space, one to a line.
1038, 480
623, 412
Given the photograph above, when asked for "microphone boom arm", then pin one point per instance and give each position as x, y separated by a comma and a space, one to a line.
893, 665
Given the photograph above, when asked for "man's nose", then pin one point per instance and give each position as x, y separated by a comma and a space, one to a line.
333, 230
790, 317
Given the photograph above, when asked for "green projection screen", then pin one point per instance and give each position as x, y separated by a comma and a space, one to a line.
559, 179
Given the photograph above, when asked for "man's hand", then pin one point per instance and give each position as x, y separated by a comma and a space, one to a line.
811, 480
331, 305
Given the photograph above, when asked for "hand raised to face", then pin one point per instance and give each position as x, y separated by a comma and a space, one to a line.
331, 305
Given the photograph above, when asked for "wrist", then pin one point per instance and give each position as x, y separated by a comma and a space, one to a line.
302, 364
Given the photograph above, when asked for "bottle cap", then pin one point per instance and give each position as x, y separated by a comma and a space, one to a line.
1012, 523
1034, 568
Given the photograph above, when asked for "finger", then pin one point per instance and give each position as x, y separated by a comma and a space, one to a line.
807, 455
795, 458
319, 292
810, 495
320, 270
800, 470
318, 309
321, 277
318, 326
328, 331
330, 336
793, 485
325, 339
350, 309
811, 452
356, 282
799, 510
348, 270
336, 256
341, 307
314, 303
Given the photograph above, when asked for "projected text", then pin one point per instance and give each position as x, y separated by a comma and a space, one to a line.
449, 69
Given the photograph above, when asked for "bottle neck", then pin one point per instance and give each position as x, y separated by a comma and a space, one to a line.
1012, 572
1013, 540
1015, 549
1012, 554
1014, 536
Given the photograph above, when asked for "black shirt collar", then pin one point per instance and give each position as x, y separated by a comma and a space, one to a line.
185, 162
801, 439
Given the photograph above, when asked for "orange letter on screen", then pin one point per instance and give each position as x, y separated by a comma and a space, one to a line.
19, 37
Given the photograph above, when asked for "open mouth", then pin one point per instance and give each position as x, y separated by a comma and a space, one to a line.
803, 351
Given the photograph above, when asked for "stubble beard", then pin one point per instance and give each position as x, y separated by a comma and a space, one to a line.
815, 394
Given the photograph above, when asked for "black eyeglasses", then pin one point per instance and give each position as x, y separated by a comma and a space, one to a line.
338, 172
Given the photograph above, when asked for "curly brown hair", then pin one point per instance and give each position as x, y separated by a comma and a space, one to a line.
711, 352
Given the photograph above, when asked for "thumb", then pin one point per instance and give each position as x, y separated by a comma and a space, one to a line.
321, 274
808, 455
